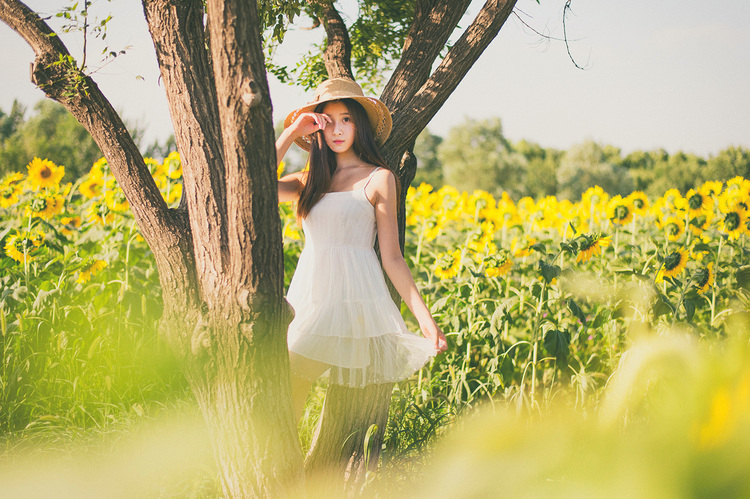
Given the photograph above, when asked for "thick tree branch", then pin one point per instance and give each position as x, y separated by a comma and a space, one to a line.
249, 150
444, 80
81, 96
434, 21
338, 52
55, 73
179, 39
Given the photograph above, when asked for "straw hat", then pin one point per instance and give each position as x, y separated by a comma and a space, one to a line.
344, 88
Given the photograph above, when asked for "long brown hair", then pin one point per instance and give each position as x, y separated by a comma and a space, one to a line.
323, 160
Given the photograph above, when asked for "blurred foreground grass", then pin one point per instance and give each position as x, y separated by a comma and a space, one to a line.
674, 421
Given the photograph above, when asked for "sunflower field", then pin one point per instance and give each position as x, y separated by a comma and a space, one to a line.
541, 299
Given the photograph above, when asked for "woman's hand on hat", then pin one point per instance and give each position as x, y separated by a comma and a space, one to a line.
307, 123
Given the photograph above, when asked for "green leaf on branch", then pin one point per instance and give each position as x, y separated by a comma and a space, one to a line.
549, 272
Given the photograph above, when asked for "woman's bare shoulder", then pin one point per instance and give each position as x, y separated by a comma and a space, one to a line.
383, 184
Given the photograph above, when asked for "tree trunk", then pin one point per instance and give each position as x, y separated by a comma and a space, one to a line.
220, 256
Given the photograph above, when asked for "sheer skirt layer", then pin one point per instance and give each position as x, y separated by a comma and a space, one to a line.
344, 314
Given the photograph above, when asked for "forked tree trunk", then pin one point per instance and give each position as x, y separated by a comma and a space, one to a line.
219, 255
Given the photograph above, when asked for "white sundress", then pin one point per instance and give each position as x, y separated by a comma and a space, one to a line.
344, 314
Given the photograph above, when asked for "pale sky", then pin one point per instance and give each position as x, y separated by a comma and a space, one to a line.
670, 74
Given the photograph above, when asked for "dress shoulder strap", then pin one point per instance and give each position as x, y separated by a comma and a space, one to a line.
369, 177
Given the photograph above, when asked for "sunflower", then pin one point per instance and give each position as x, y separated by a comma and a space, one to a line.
673, 227
53, 205
701, 223
698, 202
734, 222
733, 197
673, 265
21, 246
704, 278
498, 264
521, 248
480, 203
673, 199
639, 202
86, 273
13, 180
619, 210
482, 237
280, 169
594, 196
101, 213
448, 265
291, 231
175, 193
44, 173
592, 245
8, 196
115, 200
740, 184
433, 228
711, 187
92, 187
100, 168
173, 165
68, 223
154, 167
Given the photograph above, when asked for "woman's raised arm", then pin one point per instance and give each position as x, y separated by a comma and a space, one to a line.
290, 185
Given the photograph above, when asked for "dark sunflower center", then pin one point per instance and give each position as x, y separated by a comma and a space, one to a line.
45, 172
673, 229
695, 201
699, 221
701, 277
586, 244
672, 260
638, 203
732, 221
621, 212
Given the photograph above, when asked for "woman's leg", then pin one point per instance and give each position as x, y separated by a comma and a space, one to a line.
304, 372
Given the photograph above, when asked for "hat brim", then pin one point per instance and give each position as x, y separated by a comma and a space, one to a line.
377, 113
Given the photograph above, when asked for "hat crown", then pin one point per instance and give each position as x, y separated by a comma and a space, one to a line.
346, 88
337, 88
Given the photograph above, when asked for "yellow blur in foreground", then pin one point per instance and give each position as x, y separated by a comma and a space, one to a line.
674, 422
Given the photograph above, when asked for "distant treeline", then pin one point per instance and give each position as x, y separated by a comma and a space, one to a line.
474, 155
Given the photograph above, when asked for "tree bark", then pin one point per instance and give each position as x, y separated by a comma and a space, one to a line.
338, 53
220, 261
412, 117
220, 256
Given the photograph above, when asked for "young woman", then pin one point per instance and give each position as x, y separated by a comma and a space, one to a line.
345, 320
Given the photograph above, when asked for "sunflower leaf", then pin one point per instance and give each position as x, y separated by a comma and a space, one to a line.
557, 343
576, 310
689, 309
